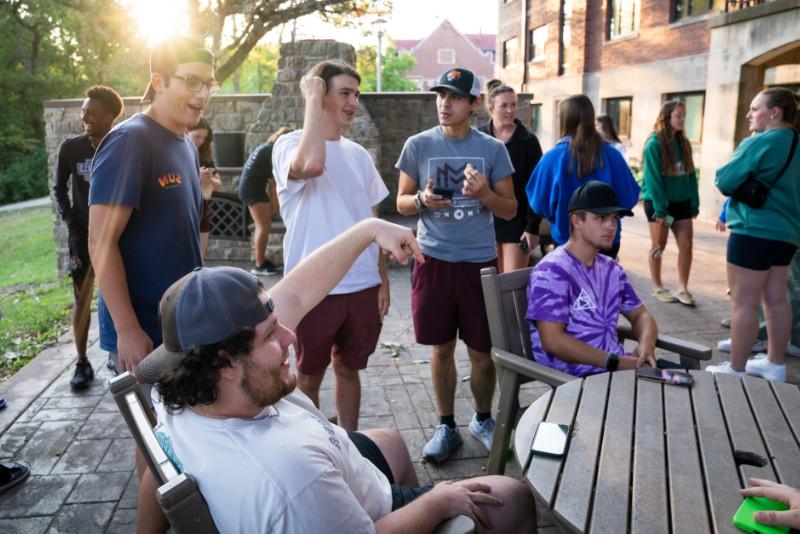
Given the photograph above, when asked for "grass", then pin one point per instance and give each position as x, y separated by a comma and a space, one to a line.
35, 303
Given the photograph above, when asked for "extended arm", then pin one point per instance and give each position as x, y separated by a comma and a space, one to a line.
60, 187
315, 276
106, 224
309, 160
556, 341
645, 331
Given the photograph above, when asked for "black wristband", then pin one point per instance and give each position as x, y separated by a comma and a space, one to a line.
612, 361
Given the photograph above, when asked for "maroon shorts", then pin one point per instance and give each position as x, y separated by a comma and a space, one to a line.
447, 299
346, 326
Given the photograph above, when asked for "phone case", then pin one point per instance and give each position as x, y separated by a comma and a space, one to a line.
744, 520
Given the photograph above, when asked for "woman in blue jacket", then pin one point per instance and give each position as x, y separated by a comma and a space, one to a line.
580, 155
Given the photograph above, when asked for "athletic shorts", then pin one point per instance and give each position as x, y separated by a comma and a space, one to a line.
510, 231
253, 190
205, 217
346, 326
79, 261
401, 495
678, 210
447, 300
758, 254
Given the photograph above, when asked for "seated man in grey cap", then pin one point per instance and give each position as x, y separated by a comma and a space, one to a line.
264, 457
576, 294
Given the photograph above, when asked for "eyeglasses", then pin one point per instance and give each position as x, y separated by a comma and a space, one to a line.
196, 85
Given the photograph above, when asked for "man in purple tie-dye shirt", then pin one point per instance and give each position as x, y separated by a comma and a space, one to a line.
575, 295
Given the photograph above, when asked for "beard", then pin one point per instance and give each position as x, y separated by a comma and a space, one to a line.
265, 388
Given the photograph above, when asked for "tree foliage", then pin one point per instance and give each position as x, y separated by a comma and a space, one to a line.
236, 26
256, 74
394, 69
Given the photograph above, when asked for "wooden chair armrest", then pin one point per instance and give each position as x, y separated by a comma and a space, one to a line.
529, 368
687, 349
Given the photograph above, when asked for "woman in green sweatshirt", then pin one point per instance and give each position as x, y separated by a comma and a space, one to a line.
763, 240
670, 197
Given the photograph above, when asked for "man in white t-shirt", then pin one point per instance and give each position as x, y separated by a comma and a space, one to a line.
264, 458
326, 183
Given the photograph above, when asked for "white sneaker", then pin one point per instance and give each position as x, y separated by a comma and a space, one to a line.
761, 366
724, 368
758, 346
482, 430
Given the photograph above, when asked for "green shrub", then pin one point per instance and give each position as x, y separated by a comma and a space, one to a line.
24, 176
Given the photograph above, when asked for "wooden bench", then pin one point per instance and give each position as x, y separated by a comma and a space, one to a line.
506, 301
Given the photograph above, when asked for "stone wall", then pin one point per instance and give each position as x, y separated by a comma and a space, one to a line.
383, 123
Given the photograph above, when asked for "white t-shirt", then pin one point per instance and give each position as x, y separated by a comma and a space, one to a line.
319, 209
286, 470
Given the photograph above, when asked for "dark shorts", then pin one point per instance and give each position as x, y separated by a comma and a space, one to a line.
678, 210
510, 231
205, 217
758, 254
447, 299
401, 495
347, 326
79, 261
253, 190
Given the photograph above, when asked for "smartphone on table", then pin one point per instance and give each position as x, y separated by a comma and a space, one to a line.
551, 439
743, 518
667, 376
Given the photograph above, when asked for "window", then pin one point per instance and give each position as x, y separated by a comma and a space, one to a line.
690, 8
619, 109
445, 56
537, 38
694, 102
510, 52
623, 18
565, 33
536, 118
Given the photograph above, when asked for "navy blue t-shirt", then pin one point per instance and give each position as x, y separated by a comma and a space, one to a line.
142, 165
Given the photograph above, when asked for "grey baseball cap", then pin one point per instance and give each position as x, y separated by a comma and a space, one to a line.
208, 305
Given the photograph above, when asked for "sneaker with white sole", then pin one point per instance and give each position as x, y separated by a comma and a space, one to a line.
758, 346
724, 368
482, 430
761, 366
443, 442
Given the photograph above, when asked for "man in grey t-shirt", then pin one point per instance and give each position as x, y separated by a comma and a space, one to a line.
458, 179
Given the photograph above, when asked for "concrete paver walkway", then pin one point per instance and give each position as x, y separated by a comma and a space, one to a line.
82, 454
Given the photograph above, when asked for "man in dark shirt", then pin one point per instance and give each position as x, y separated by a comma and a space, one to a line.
99, 111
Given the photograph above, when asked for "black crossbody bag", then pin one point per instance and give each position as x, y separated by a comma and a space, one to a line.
753, 192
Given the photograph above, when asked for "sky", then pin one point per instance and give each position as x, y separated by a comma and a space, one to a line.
410, 19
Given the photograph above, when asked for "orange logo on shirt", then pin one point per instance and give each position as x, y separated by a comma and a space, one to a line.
171, 179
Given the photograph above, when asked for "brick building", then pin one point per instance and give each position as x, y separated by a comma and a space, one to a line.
446, 47
629, 56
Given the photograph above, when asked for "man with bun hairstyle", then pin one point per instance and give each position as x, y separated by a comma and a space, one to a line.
99, 110
458, 180
264, 457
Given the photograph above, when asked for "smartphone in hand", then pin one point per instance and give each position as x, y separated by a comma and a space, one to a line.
444, 192
744, 520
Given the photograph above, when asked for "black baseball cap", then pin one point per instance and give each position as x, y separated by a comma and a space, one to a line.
167, 55
596, 197
208, 305
461, 81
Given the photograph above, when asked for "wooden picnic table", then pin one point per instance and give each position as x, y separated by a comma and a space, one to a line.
645, 457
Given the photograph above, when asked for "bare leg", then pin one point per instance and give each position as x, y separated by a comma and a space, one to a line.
513, 257
518, 512
150, 517
443, 371
778, 313
747, 287
684, 237
658, 239
394, 449
82, 312
262, 218
482, 379
348, 395
309, 384
203, 244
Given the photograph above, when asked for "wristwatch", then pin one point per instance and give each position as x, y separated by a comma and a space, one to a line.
418, 201
612, 361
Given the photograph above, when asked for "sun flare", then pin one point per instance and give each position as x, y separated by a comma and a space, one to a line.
158, 19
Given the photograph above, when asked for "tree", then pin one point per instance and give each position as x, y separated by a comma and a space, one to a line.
243, 23
394, 69
256, 74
